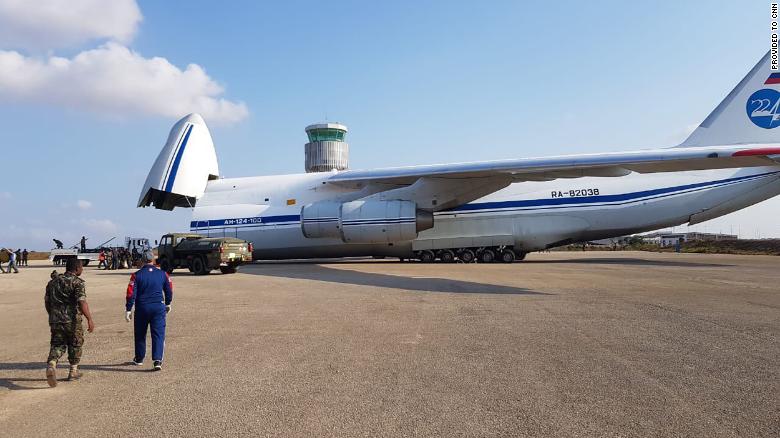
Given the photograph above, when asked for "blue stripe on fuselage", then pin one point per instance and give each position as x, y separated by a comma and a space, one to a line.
597, 198
545, 203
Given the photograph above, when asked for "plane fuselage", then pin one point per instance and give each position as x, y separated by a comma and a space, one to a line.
266, 210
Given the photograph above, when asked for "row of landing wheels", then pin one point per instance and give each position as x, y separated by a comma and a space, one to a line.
470, 255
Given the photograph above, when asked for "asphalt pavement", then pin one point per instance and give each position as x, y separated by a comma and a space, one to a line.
563, 344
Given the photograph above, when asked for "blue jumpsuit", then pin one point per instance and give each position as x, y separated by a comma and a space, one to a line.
150, 289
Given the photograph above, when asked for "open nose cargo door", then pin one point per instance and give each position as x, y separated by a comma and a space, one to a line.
184, 167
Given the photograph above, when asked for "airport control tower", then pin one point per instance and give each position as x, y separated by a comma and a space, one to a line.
326, 149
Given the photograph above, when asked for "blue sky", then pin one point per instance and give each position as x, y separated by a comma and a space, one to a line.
416, 82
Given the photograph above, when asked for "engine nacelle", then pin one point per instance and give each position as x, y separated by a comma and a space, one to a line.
321, 219
365, 221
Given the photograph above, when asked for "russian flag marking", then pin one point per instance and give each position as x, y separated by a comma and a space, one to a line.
773, 78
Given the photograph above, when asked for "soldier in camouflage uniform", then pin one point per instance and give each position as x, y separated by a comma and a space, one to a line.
66, 302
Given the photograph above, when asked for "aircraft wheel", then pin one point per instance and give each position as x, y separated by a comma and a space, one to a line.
487, 256
85, 263
467, 256
507, 256
447, 256
427, 257
199, 266
520, 255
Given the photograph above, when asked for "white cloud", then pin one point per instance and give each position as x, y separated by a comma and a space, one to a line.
48, 24
99, 226
84, 205
115, 80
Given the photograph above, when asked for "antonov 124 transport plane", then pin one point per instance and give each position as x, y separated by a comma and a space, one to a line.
488, 210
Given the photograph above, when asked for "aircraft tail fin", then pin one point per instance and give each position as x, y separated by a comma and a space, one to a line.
750, 114
183, 168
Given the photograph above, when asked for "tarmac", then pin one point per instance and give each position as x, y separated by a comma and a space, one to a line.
564, 344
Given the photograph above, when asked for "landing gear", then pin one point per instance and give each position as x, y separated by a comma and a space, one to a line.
492, 254
487, 256
427, 256
447, 256
507, 256
467, 256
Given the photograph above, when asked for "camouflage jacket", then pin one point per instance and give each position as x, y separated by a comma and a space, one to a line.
63, 294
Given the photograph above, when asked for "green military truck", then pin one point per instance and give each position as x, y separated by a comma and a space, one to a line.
201, 254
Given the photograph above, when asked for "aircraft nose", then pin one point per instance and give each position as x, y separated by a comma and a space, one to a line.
193, 118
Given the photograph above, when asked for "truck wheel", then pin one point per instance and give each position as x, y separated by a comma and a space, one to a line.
84, 262
199, 266
228, 269
165, 265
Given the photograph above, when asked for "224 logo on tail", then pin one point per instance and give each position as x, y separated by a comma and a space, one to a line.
763, 108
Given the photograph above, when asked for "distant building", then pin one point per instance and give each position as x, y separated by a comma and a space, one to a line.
665, 238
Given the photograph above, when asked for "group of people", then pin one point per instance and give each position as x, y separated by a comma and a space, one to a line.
150, 293
118, 258
13, 258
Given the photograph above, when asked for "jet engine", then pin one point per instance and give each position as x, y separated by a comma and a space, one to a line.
365, 221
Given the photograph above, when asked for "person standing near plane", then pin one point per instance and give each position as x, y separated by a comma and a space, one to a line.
151, 291
25, 256
83, 243
102, 260
66, 302
12, 261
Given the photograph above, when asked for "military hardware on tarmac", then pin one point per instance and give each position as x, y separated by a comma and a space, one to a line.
134, 245
59, 256
202, 254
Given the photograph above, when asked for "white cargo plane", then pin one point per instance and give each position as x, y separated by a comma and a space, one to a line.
485, 211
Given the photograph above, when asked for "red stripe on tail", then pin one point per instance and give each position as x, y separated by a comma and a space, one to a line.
754, 152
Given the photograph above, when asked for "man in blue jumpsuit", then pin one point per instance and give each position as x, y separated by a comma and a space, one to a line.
151, 291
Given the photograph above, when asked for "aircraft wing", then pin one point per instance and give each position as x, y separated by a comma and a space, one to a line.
439, 186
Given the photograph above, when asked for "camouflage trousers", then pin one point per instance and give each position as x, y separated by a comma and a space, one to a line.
66, 337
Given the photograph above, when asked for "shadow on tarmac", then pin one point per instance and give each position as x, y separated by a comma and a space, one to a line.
62, 372
632, 262
426, 284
